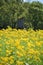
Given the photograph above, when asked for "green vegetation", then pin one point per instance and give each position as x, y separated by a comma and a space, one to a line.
21, 47
13, 10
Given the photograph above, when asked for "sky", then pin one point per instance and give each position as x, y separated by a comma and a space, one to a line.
33, 0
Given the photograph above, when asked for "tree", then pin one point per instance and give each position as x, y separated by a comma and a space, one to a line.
13, 10
35, 13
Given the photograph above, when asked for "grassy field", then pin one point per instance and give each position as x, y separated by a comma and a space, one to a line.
21, 47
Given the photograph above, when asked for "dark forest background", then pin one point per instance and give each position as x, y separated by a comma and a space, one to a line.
18, 14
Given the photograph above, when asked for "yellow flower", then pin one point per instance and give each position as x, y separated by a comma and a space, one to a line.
38, 44
31, 51
20, 47
37, 58
0, 64
0, 45
19, 54
11, 40
17, 42
8, 52
11, 57
11, 61
19, 63
30, 44
4, 59
7, 42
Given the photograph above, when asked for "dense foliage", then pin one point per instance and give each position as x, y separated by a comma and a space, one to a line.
12, 11
21, 47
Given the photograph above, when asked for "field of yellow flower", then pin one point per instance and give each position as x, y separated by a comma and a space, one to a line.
21, 47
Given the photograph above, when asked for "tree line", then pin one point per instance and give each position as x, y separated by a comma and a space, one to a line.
19, 14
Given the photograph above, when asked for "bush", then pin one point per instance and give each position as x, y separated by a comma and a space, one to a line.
12, 11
